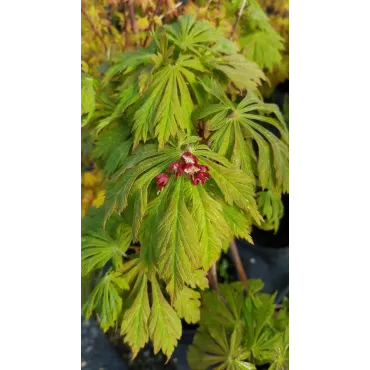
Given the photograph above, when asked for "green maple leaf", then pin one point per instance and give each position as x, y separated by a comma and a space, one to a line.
135, 319
117, 157
159, 323
140, 199
236, 186
134, 177
271, 208
262, 339
213, 346
198, 37
233, 125
199, 280
208, 215
170, 239
219, 339
106, 299
127, 95
177, 244
164, 324
244, 73
187, 305
126, 62
131, 270
148, 233
132, 73
99, 248
264, 48
109, 140
282, 319
257, 18
239, 333
258, 313
224, 308
166, 107
113, 146
103, 115
88, 96
254, 286
240, 223
192, 35
225, 46
93, 222
281, 352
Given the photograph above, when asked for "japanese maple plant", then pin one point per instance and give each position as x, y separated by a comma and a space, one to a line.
193, 158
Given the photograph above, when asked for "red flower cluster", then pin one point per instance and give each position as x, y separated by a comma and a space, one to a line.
188, 164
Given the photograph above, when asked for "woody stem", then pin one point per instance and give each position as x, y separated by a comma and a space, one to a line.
212, 277
124, 6
131, 13
240, 12
238, 263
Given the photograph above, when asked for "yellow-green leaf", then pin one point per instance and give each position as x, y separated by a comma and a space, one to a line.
164, 324
187, 305
135, 320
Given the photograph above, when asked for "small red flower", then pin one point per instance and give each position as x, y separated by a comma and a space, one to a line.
162, 180
200, 177
190, 169
188, 157
203, 168
176, 169
195, 181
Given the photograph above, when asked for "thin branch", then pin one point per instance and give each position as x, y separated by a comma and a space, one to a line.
124, 5
152, 24
238, 263
131, 12
212, 277
88, 18
240, 12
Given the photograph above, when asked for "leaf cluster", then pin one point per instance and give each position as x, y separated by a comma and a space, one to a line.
271, 208
147, 252
240, 333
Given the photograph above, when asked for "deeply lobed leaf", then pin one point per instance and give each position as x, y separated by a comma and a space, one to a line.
106, 299
99, 248
164, 324
135, 320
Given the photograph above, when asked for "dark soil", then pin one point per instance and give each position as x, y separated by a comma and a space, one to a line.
97, 352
